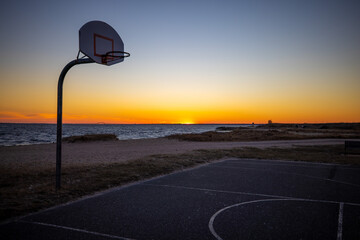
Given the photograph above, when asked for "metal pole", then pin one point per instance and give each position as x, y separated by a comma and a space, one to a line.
59, 115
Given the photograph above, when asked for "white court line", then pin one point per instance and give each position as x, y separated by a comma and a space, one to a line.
251, 194
212, 219
108, 191
219, 191
287, 161
302, 164
76, 230
340, 221
296, 174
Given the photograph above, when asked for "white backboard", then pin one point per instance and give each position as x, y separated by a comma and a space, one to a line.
96, 38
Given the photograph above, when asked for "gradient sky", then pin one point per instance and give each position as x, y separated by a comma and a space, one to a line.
191, 61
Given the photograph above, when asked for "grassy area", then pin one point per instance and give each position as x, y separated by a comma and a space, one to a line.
331, 126
275, 132
25, 191
90, 138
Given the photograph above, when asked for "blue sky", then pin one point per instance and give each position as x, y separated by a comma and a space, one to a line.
187, 56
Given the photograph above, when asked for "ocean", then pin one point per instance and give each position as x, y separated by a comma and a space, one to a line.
12, 134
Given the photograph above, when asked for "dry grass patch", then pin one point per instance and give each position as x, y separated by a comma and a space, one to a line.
91, 138
266, 134
237, 135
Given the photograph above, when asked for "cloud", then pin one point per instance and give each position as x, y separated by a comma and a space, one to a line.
11, 115
27, 118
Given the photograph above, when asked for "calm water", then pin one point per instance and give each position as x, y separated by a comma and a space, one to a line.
24, 134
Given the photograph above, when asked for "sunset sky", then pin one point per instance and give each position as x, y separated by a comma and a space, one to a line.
191, 62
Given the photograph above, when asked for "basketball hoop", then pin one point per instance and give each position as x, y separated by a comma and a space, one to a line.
95, 39
113, 56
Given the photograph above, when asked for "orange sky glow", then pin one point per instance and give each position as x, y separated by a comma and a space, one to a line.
237, 62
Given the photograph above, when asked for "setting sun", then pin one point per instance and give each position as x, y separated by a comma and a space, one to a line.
187, 122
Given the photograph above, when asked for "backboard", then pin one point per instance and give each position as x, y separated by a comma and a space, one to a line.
100, 42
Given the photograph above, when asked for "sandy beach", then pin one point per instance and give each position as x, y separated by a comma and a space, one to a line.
103, 152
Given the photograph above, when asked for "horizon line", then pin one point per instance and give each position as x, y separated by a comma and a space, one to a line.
103, 123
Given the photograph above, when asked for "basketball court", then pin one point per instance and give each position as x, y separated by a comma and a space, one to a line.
228, 199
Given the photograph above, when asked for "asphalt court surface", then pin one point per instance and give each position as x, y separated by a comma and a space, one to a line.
229, 199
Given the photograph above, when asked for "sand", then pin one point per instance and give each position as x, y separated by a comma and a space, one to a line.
103, 152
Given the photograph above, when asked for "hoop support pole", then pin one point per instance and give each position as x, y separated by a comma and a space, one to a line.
59, 115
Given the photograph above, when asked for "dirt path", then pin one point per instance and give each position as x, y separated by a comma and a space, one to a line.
43, 155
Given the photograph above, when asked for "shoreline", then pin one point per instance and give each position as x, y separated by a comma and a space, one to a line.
21, 136
27, 134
